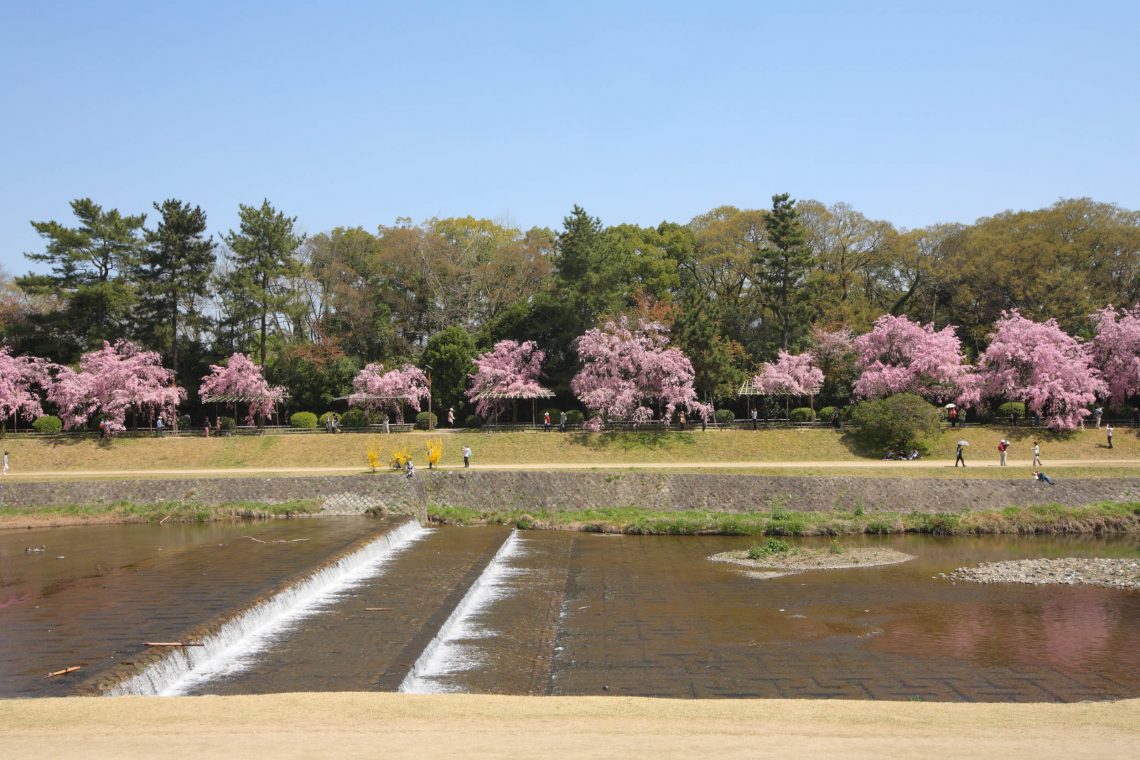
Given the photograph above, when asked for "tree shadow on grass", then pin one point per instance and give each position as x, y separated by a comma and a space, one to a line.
74, 440
626, 440
859, 448
1027, 435
865, 450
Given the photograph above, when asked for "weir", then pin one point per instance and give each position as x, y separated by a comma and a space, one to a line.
438, 657
251, 628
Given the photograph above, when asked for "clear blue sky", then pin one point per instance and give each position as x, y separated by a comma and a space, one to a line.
356, 113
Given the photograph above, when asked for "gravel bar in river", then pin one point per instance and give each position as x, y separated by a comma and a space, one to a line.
1070, 571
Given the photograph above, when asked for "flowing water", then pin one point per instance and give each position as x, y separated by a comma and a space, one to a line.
363, 604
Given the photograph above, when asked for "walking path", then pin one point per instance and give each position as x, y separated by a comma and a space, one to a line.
885, 465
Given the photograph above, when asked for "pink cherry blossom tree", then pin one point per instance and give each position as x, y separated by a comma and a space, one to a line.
1116, 352
1040, 365
831, 347
112, 381
900, 356
508, 371
242, 378
789, 376
377, 390
834, 352
21, 380
627, 371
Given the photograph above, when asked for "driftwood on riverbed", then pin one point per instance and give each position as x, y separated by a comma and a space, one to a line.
173, 644
65, 671
277, 541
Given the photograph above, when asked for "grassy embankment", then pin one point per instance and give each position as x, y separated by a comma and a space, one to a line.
732, 450
126, 512
1104, 517
1101, 518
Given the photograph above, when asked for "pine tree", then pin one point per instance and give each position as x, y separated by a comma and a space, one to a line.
263, 257
89, 268
173, 272
784, 264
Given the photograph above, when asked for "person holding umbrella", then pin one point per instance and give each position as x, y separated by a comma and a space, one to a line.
961, 447
952, 414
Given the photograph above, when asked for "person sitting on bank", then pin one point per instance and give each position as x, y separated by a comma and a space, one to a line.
410, 469
1044, 478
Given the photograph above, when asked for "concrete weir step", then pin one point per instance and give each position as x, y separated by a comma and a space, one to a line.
368, 638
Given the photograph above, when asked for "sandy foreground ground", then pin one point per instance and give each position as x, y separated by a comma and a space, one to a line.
398, 726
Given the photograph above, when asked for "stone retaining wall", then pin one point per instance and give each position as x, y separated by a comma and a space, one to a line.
561, 490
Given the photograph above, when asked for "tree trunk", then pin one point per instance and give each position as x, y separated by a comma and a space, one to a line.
174, 334
264, 314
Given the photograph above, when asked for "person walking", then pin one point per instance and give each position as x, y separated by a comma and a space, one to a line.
159, 425
1108, 430
546, 421
5, 462
953, 415
753, 415
1036, 453
1003, 446
451, 416
1043, 478
1097, 414
386, 427
562, 422
958, 457
835, 419
466, 457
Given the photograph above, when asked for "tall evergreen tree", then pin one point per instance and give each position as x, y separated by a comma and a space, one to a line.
263, 257
172, 272
89, 268
577, 261
784, 263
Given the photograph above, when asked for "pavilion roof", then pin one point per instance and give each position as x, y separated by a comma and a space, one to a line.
748, 388
230, 398
536, 393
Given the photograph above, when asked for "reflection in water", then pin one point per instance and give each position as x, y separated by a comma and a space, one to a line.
575, 614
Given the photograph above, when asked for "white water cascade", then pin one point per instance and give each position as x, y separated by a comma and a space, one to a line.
231, 646
442, 655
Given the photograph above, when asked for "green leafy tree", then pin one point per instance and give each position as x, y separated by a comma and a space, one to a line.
172, 273
852, 253
902, 421
450, 353
721, 270
314, 374
263, 259
718, 362
355, 308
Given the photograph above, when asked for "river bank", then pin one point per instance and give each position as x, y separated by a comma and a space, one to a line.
395, 725
1048, 519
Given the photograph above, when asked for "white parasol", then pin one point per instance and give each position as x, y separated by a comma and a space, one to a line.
950, 406
963, 443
